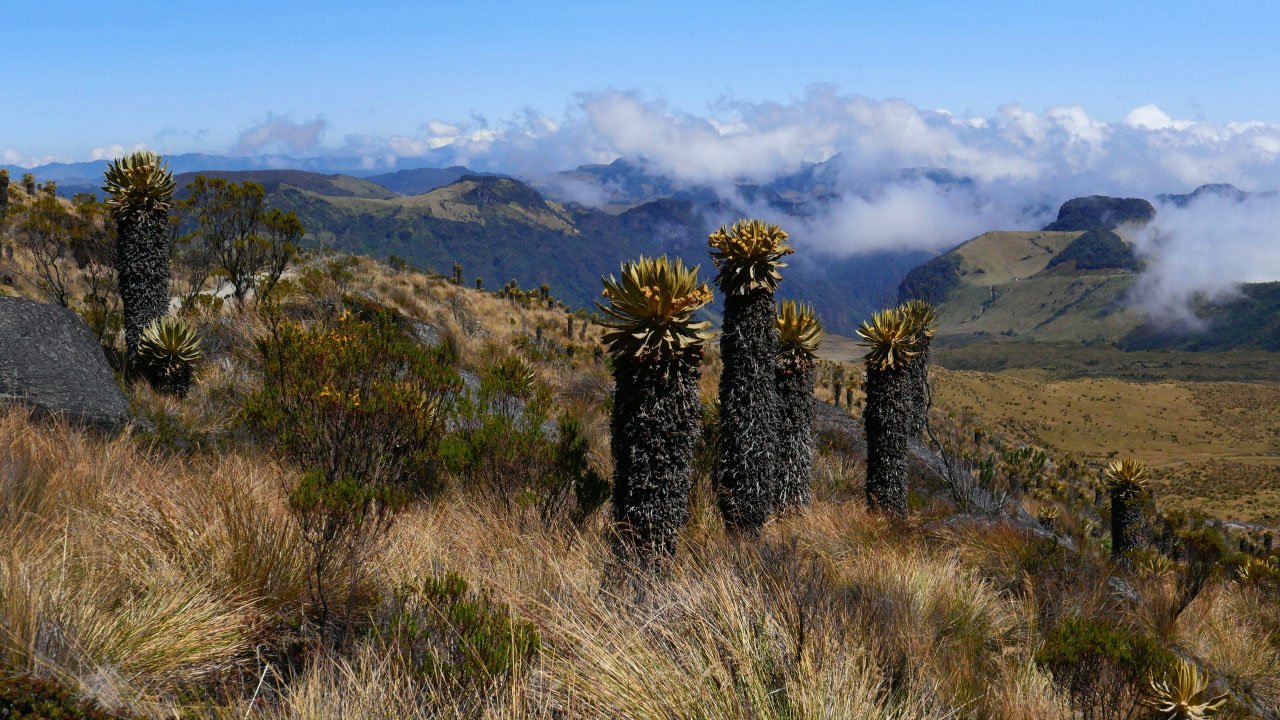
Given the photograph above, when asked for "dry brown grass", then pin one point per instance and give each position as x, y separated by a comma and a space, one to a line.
1212, 446
135, 574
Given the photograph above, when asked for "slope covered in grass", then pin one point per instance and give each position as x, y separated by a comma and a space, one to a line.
165, 571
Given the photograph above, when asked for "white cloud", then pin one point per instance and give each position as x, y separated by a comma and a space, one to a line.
278, 134
1020, 162
1204, 250
13, 156
112, 152
1148, 117
909, 216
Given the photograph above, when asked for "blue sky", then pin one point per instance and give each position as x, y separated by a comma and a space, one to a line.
184, 76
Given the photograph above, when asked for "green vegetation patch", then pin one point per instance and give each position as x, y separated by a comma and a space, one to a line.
31, 698
1098, 249
1251, 320
933, 281
1099, 211
457, 637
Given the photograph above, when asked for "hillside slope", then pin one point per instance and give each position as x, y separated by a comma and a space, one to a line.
421, 180
1008, 284
273, 180
1071, 286
1187, 431
1250, 320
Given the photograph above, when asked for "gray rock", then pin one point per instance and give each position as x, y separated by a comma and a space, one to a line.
1122, 589
424, 333
52, 362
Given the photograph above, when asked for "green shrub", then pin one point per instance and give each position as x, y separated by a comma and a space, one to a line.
1103, 668
31, 698
504, 449
1098, 249
573, 469
456, 638
359, 408
933, 281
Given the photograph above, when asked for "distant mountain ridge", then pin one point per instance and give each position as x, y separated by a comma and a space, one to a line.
500, 228
1099, 211
90, 172
1221, 190
420, 180
329, 185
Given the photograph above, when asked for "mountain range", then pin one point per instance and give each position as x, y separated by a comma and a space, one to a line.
1065, 282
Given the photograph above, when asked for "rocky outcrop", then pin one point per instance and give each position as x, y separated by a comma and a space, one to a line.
52, 362
1099, 211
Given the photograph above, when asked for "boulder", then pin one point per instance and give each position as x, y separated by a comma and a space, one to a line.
52, 362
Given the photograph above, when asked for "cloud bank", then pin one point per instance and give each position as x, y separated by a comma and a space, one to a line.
1062, 148
1203, 251
1017, 166
1021, 163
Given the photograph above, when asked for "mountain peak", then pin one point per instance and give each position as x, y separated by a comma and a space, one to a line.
1222, 190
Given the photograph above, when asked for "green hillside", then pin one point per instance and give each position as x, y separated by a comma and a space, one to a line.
274, 180
1100, 211
1068, 288
420, 180
1096, 249
1250, 320
498, 228
1028, 285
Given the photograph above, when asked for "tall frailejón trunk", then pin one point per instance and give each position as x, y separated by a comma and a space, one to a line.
139, 191
748, 257
922, 319
746, 472
888, 415
799, 336
795, 442
656, 421
1126, 482
919, 391
887, 421
4, 193
656, 347
142, 261
1126, 522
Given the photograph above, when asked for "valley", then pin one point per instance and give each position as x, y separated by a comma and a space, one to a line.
1212, 446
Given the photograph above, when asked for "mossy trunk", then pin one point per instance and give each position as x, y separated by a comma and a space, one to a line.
746, 465
1126, 523
4, 195
919, 371
655, 425
142, 261
795, 439
887, 422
